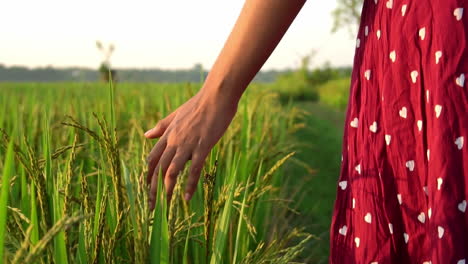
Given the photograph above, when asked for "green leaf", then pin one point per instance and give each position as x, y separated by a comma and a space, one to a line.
7, 173
159, 246
221, 233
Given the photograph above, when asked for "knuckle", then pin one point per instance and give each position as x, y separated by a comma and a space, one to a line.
172, 174
196, 169
192, 183
149, 158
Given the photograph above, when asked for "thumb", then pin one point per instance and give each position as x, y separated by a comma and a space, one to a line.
160, 127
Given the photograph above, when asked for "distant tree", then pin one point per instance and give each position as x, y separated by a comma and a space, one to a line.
303, 83
347, 14
105, 70
198, 69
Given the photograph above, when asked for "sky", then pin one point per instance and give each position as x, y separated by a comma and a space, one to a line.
168, 34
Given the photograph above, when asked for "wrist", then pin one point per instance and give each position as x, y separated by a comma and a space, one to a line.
220, 89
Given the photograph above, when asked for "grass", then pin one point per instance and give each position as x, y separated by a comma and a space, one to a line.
320, 149
73, 191
335, 93
7, 174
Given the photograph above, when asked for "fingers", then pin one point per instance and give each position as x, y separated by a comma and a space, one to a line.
153, 158
160, 127
177, 165
161, 167
198, 160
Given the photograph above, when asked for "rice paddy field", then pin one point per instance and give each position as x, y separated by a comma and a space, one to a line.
72, 160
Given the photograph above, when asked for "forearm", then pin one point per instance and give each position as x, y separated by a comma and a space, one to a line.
258, 30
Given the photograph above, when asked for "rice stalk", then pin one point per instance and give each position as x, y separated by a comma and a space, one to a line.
63, 224
24, 246
208, 191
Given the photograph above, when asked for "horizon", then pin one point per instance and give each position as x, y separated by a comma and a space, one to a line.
143, 41
39, 67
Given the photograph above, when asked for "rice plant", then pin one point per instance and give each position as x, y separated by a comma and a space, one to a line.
73, 157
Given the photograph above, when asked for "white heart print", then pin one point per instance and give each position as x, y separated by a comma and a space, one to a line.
460, 142
390, 4
358, 43
403, 10
367, 74
368, 218
427, 262
343, 185
410, 165
462, 261
440, 231
388, 139
358, 168
438, 110
390, 227
422, 218
404, 112
393, 56
429, 213
462, 206
427, 96
420, 125
422, 33
406, 236
428, 153
354, 203
414, 76
438, 55
355, 122
366, 31
439, 183
343, 230
458, 13
400, 201
379, 33
357, 241
373, 127
461, 80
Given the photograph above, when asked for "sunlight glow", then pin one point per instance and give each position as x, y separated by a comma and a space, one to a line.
152, 34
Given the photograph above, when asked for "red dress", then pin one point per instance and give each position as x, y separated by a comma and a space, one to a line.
403, 190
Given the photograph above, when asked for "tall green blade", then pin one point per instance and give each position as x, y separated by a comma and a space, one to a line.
81, 256
221, 233
159, 246
33, 216
186, 246
240, 226
60, 248
7, 173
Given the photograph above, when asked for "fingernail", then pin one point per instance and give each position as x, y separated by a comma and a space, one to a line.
187, 196
147, 132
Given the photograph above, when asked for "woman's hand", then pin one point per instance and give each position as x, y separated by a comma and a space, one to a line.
194, 128
189, 133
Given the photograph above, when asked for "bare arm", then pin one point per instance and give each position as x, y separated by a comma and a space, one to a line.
258, 30
194, 128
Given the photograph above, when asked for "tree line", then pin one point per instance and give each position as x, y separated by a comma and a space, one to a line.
76, 74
